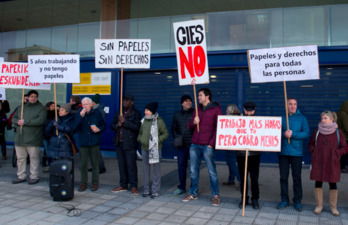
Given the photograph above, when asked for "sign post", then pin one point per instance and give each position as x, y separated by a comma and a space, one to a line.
284, 64
191, 54
122, 53
248, 133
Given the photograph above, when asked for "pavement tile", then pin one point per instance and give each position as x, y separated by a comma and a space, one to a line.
166, 210
223, 217
209, 209
288, 217
21, 221
8, 209
196, 221
73, 220
129, 206
157, 216
175, 219
264, 215
285, 222
100, 208
173, 205
95, 222
89, 214
106, 217
85, 206
127, 220
113, 203
167, 223
119, 211
309, 219
183, 212
39, 215
216, 222
203, 215
228, 211
244, 220
137, 214
56, 218
263, 221
147, 222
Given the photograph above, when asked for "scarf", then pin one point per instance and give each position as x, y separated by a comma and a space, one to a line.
153, 142
327, 128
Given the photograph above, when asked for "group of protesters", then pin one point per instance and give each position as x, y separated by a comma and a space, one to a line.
81, 122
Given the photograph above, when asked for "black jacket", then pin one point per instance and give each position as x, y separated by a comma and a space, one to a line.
181, 126
130, 127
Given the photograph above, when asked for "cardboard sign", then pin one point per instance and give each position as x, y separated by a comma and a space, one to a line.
54, 68
93, 83
122, 53
253, 133
2, 59
2, 94
283, 64
191, 52
16, 75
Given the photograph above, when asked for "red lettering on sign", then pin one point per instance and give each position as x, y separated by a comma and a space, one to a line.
200, 61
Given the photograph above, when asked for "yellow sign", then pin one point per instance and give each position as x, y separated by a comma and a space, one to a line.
93, 83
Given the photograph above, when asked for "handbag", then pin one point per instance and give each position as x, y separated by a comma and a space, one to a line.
74, 149
179, 141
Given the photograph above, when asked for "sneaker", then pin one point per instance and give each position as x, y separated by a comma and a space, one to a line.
155, 195
94, 187
82, 187
178, 191
344, 170
33, 181
118, 189
215, 201
18, 180
189, 197
298, 207
282, 205
102, 171
146, 195
134, 191
228, 183
46, 170
255, 204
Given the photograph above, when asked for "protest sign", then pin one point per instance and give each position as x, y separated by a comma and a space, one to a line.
16, 75
191, 52
122, 53
254, 133
283, 64
2, 94
2, 59
54, 68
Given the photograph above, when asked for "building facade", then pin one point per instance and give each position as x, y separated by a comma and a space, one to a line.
232, 27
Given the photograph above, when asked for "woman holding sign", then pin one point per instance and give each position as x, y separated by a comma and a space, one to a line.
326, 146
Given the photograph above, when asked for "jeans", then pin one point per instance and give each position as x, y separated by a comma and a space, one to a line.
296, 166
196, 152
231, 161
183, 156
253, 169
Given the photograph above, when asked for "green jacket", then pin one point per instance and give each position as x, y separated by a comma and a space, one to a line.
144, 133
34, 115
342, 119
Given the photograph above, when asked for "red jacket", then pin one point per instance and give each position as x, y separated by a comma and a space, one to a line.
207, 125
325, 156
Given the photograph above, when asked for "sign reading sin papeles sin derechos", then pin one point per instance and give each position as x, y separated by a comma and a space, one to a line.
254, 133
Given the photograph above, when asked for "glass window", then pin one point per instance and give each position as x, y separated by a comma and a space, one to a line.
339, 21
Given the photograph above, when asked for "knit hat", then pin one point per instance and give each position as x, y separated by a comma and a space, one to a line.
249, 106
152, 107
96, 98
67, 107
185, 97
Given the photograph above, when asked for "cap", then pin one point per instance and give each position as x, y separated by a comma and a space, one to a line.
249, 106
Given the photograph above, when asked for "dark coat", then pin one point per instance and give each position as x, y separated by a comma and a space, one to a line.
87, 137
325, 156
59, 145
342, 119
207, 125
181, 126
130, 127
3, 122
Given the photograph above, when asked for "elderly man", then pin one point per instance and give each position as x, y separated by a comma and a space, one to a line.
29, 137
89, 124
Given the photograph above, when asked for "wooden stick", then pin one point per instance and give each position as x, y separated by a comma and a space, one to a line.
55, 105
286, 109
195, 97
20, 130
245, 179
121, 91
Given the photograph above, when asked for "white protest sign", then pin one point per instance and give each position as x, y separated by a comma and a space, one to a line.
2, 59
16, 75
253, 133
191, 52
2, 94
122, 53
54, 68
283, 64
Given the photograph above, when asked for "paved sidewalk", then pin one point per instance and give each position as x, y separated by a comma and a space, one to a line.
32, 204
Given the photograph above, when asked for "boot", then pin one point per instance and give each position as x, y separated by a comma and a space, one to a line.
333, 202
318, 193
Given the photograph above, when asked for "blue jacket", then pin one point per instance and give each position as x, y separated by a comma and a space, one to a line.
87, 137
300, 131
59, 146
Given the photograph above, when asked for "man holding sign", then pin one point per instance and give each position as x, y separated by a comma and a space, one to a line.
291, 154
203, 143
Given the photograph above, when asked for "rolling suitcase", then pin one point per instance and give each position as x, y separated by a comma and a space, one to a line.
61, 181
